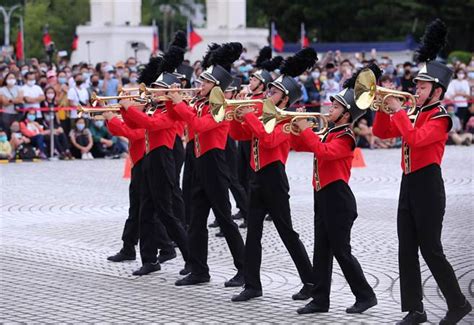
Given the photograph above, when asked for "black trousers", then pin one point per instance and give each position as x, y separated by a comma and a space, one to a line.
188, 176
335, 212
269, 192
244, 170
156, 204
238, 191
178, 201
421, 209
211, 191
131, 227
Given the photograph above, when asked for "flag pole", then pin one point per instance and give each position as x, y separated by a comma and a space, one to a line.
302, 35
22, 39
272, 32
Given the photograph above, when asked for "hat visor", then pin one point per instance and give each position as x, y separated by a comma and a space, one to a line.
278, 85
208, 77
258, 76
160, 84
340, 99
231, 89
424, 77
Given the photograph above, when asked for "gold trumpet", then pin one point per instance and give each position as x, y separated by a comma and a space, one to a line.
96, 99
96, 112
368, 95
187, 93
273, 115
224, 109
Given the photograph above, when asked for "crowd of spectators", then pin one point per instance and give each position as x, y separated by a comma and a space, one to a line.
39, 100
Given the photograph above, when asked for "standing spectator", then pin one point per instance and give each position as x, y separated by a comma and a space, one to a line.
5, 146
81, 140
331, 87
77, 95
105, 145
111, 84
33, 130
456, 134
460, 92
11, 96
406, 80
33, 94
94, 86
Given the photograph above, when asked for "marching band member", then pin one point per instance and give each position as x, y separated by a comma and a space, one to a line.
335, 208
422, 199
211, 183
269, 187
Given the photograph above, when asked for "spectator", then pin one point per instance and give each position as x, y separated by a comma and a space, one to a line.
456, 135
33, 130
111, 84
406, 80
94, 86
459, 92
81, 140
11, 96
105, 145
33, 94
18, 140
5, 146
77, 95
330, 86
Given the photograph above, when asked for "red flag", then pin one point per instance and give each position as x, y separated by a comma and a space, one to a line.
75, 42
277, 41
156, 40
19, 46
304, 38
46, 37
193, 37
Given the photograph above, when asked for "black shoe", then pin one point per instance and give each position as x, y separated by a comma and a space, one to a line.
311, 308
147, 268
237, 216
455, 315
236, 281
413, 317
268, 218
166, 256
121, 256
243, 224
214, 224
247, 294
192, 279
186, 270
360, 306
220, 234
304, 293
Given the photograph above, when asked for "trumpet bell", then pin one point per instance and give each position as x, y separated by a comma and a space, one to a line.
365, 89
217, 104
269, 116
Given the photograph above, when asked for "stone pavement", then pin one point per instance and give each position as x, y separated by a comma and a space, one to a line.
60, 220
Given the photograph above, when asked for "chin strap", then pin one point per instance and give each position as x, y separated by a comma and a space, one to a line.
430, 96
340, 116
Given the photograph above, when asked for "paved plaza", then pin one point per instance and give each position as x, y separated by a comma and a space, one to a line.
60, 220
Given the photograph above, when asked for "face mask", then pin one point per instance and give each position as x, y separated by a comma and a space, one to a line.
85, 75
15, 128
303, 78
43, 69
43, 84
11, 82
461, 76
80, 126
133, 80
119, 71
315, 75
62, 80
24, 72
95, 83
31, 117
400, 71
3, 138
99, 124
31, 82
112, 75
470, 75
78, 82
50, 96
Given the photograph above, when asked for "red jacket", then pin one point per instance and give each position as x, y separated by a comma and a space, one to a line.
265, 148
160, 128
423, 141
333, 154
208, 134
136, 138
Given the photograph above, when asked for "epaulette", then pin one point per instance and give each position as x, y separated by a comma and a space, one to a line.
347, 131
443, 113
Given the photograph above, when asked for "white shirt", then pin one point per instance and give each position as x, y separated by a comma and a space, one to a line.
458, 86
77, 95
33, 92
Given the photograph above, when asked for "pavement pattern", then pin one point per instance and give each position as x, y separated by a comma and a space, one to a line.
60, 220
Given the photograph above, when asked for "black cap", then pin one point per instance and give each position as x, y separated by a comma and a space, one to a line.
165, 80
235, 85
185, 72
435, 71
346, 99
218, 75
263, 75
289, 87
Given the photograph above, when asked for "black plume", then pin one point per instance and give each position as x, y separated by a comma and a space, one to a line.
172, 58
264, 55
226, 55
350, 83
273, 64
151, 71
206, 59
180, 40
432, 42
295, 65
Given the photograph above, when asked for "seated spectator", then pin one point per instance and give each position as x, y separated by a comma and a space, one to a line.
11, 96
105, 145
21, 145
81, 140
5, 146
34, 131
51, 121
456, 135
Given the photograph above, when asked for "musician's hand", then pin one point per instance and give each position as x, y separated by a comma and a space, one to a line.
394, 104
127, 103
108, 115
302, 124
241, 112
175, 96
